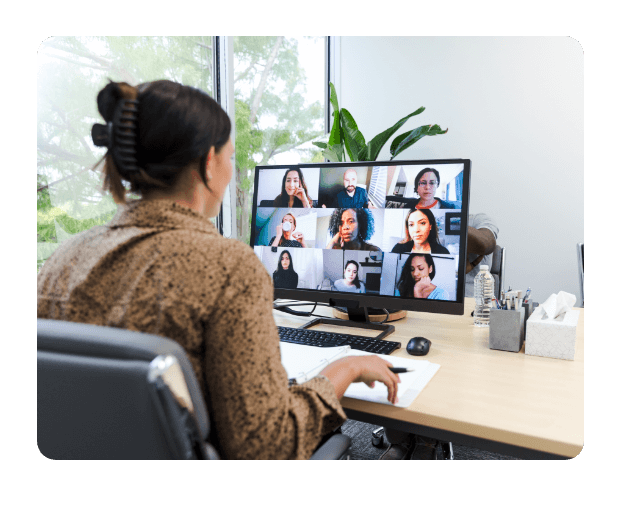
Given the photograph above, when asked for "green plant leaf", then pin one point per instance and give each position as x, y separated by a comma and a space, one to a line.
353, 138
333, 153
321, 145
333, 97
402, 142
336, 134
373, 148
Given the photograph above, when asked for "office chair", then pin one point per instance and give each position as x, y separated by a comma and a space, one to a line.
497, 269
109, 393
580, 254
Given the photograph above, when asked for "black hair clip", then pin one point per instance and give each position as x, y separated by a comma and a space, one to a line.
102, 135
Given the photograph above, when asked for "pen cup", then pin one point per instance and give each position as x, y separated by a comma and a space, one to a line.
507, 329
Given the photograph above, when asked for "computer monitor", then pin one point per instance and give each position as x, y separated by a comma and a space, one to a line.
359, 235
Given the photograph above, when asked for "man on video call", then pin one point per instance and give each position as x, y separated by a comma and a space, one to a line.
353, 197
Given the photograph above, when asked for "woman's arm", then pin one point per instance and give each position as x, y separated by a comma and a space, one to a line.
480, 242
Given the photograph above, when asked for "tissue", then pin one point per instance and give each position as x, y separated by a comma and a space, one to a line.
557, 304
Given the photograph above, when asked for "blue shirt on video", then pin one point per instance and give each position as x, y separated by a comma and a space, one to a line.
358, 201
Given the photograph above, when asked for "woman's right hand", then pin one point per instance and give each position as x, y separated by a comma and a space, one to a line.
336, 241
421, 287
368, 369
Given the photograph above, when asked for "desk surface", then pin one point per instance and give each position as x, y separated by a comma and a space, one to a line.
508, 400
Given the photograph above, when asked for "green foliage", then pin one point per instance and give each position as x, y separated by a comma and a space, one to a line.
346, 133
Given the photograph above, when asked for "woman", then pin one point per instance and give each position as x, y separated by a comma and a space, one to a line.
421, 234
285, 276
160, 266
426, 183
415, 279
294, 192
350, 282
350, 228
286, 233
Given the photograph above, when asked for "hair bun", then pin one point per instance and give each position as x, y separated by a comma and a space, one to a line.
108, 97
106, 100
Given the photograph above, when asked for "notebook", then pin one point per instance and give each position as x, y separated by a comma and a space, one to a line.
303, 362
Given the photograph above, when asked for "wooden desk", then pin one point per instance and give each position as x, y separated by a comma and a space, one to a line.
511, 403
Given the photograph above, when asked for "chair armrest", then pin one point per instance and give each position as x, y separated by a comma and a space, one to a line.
336, 447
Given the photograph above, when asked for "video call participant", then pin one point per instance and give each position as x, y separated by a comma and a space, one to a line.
353, 196
415, 279
421, 234
285, 276
350, 282
160, 266
350, 228
285, 233
294, 193
426, 183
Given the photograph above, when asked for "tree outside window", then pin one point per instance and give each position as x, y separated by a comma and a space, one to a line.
279, 96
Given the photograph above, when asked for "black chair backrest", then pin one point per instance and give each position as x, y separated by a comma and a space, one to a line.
580, 253
109, 393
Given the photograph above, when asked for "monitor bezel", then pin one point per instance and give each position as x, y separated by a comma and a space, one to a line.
391, 304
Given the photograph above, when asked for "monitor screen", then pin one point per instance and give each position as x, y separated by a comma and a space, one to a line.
381, 234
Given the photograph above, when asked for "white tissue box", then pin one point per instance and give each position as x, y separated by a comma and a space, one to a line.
552, 338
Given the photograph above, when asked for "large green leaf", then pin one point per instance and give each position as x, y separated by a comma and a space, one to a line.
373, 148
321, 145
353, 138
333, 153
336, 134
333, 97
402, 142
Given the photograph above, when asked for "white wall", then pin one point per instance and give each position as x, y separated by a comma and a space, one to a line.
515, 107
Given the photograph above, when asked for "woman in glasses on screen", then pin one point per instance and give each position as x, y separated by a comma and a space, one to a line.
294, 192
426, 183
285, 276
350, 228
160, 266
350, 282
421, 234
415, 279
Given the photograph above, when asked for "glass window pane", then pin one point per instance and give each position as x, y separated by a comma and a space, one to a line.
279, 92
71, 71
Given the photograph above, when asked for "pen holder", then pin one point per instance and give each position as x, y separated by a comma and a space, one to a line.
507, 329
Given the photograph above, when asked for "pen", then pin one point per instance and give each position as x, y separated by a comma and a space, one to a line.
400, 370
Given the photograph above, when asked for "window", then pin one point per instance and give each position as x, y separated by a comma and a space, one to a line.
71, 71
279, 99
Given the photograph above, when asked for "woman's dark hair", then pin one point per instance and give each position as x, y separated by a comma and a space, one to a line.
433, 233
153, 131
284, 196
421, 173
406, 283
364, 217
282, 277
356, 280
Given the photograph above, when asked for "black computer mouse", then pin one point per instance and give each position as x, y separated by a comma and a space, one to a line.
418, 346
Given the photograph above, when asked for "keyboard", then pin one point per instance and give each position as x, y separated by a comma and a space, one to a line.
328, 339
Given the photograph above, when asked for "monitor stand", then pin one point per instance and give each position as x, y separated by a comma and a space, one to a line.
351, 315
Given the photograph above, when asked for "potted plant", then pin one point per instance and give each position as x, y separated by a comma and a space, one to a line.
345, 132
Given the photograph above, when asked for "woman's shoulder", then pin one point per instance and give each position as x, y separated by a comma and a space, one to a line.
439, 249
447, 204
404, 247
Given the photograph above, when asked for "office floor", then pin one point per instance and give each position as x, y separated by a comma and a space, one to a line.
362, 448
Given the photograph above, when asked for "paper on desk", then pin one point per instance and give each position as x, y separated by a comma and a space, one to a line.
303, 362
410, 386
